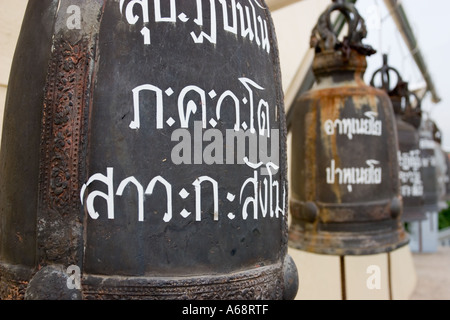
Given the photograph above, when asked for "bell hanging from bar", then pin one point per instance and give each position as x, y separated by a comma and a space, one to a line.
143, 154
427, 136
409, 156
345, 196
429, 171
441, 168
424, 234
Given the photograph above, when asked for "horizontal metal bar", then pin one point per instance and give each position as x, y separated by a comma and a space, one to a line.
401, 20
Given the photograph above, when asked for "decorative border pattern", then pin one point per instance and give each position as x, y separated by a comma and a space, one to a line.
59, 222
264, 283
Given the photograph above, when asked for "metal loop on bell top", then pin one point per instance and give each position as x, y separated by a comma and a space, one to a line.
410, 114
386, 79
413, 115
323, 37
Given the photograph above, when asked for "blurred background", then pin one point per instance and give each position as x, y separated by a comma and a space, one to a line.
427, 22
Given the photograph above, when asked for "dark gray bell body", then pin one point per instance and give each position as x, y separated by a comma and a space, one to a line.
429, 171
410, 172
447, 178
424, 234
409, 152
150, 145
442, 174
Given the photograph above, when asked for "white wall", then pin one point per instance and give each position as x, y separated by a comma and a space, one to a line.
293, 26
11, 16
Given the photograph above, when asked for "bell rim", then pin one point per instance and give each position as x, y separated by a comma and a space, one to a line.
319, 242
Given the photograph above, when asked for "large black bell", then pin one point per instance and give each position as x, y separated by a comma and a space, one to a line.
409, 153
143, 154
344, 178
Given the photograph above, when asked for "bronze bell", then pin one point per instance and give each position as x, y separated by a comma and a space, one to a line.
345, 191
143, 154
409, 154
441, 167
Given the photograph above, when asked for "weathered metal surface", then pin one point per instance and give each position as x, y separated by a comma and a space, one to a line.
20, 150
429, 172
447, 180
447, 171
441, 167
409, 154
150, 146
412, 186
345, 188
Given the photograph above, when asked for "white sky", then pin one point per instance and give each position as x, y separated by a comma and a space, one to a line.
429, 21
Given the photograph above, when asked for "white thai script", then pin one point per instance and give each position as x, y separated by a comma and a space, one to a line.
248, 24
265, 195
354, 126
426, 144
410, 176
227, 101
351, 176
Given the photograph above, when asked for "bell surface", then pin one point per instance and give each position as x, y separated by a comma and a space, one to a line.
441, 170
409, 153
429, 170
424, 234
410, 174
143, 154
345, 197
447, 178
